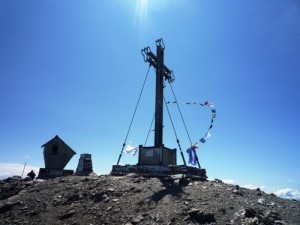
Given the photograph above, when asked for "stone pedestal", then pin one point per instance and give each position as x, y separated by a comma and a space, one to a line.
85, 166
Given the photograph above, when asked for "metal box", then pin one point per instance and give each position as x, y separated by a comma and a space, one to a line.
157, 156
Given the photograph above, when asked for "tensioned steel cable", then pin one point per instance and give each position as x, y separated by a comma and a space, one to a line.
134, 114
180, 114
149, 129
179, 146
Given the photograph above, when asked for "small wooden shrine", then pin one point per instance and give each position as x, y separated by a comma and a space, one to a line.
57, 154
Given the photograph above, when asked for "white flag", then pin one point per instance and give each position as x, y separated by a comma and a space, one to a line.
211, 105
207, 135
131, 149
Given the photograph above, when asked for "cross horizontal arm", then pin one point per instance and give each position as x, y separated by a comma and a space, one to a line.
153, 60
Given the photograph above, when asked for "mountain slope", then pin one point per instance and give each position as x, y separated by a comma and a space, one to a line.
134, 199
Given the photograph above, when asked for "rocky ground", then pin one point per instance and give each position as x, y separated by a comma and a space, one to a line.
132, 199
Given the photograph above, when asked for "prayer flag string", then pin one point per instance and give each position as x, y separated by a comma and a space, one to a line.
191, 151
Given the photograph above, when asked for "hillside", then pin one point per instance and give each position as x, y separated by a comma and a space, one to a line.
134, 200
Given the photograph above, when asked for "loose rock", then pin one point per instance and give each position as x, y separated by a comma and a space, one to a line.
131, 200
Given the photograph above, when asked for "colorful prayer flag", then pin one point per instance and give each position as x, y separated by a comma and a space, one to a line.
213, 115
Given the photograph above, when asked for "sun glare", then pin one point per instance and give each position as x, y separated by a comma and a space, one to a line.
141, 12
145, 9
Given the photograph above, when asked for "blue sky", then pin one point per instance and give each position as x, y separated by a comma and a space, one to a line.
74, 68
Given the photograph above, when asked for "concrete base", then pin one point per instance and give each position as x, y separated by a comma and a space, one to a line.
160, 170
46, 173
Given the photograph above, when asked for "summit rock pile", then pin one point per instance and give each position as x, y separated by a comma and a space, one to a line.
133, 199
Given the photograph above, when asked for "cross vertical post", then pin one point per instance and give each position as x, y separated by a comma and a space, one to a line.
158, 134
162, 72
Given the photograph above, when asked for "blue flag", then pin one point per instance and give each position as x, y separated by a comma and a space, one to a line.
192, 156
203, 140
